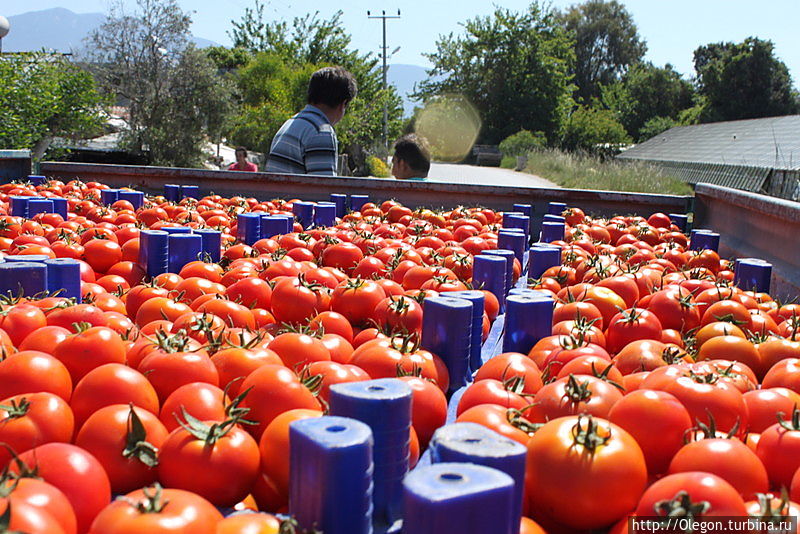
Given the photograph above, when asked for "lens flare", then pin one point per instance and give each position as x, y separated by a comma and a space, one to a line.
451, 125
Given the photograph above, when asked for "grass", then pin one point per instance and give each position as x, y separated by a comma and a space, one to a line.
580, 171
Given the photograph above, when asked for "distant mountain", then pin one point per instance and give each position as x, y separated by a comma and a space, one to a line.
57, 29
404, 78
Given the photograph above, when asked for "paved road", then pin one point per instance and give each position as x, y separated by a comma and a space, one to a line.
470, 174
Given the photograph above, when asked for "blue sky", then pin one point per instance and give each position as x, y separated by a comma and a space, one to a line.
672, 28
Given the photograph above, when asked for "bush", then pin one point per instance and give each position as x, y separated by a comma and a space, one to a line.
508, 162
522, 142
588, 129
655, 126
377, 167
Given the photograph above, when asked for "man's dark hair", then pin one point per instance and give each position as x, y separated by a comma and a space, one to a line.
331, 86
414, 150
240, 149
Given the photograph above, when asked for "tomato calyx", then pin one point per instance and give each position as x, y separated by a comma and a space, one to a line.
16, 409
603, 375
770, 511
589, 436
701, 431
210, 434
517, 418
153, 502
576, 391
792, 424
5, 521
312, 382
136, 444
681, 505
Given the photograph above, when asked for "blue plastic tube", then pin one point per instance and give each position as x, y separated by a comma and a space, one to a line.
21, 278
324, 214
172, 192
37, 179
475, 444
358, 201
134, 197
509, 256
385, 406
476, 298
752, 274
172, 230
489, 273
552, 231
19, 206
541, 258
211, 242
304, 213
153, 252
61, 206
447, 331
340, 201
64, 277
28, 258
704, 240
330, 484
109, 196
556, 208
190, 191
528, 320
183, 248
525, 209
39, 205
248, 229
680, 220
458, 498
513, 239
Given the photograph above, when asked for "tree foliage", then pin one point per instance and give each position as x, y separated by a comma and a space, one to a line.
588, 129
513, 67
646, 92
607, 43
43, 96
522, 142
287, 54
176, 98
743, 81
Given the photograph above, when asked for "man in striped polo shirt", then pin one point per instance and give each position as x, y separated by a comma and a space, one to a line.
306, 143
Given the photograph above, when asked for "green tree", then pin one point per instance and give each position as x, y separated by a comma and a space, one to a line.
513, 67
607, 43
307, 43
43, 96
588, 129
655, 126
743, 81
176, 99
646, 92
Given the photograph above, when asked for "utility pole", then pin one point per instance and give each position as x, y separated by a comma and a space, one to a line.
385, 50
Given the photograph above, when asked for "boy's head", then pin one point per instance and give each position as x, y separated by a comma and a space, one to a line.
241, 154
333, 88
412, 157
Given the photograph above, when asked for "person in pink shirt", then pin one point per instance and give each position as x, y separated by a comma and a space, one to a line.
241, 162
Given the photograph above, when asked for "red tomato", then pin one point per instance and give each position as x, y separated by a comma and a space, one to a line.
125, 439
779, 449
691, 489
572, 460
31, 371
203, 401
573, 395
274, 447
76, 473
235, 364
512, 366
428, 408
33, 419
356, 300
44, 496
296, 350
89, 349
158, 511
23, 517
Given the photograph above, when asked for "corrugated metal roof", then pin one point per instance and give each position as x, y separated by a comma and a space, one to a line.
772, 143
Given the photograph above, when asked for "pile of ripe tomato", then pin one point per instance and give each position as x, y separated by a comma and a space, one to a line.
663, 389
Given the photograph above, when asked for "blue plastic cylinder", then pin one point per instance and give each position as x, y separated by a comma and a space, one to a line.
357, 201
475, 444
288, 224
680, 220
509, 256
19, 206
190, 191
752, 274
514, 240
304, 213
556, 208
554, 218
64, 277
153, 252
172, 192
528, 292
704, 240
324, 214
272, 225
22, 278
39, 205
522, 222
330, 485
447, 332
458, 498
172, 230
183, 249
37, 179
109, 196
61, 206
552, 231
489, 273
477, 298
525, 209
340, 201
248, 229
211, 243
542, 258
134, 197
385, 406
528, 319
27, 258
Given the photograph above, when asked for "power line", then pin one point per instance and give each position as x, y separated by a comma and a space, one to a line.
384, 53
